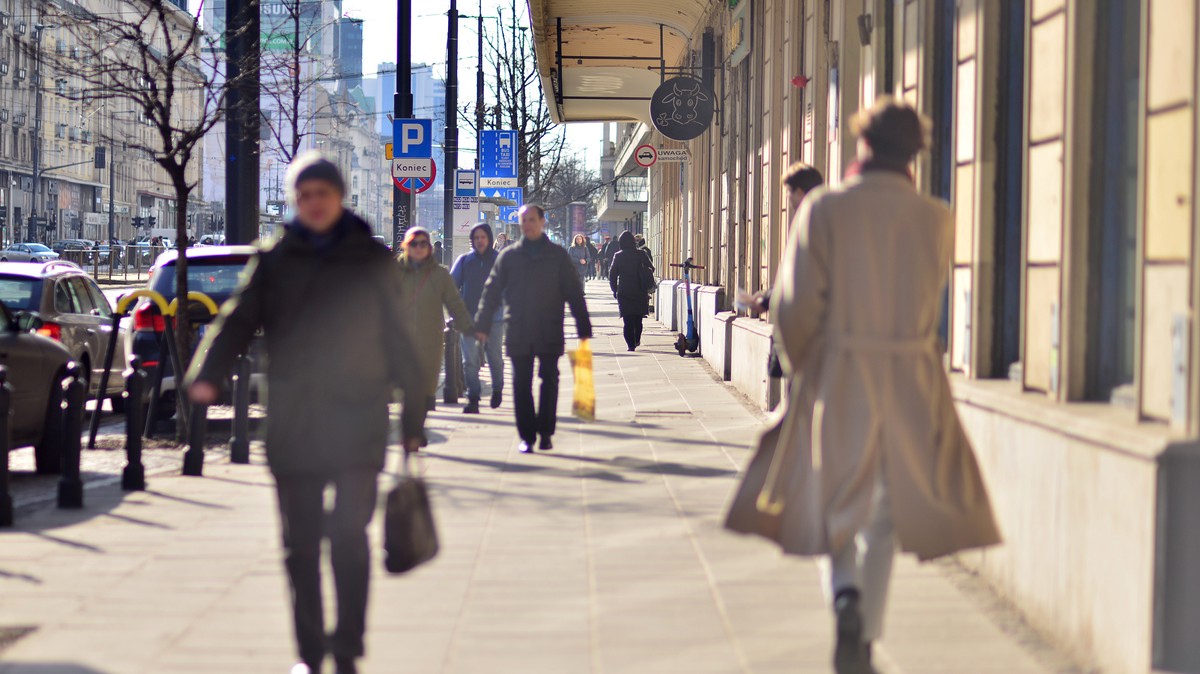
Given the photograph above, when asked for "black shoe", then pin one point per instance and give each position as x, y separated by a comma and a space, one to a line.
632, 348
431, 404
497, 398
472, 406
545, 445
851, 655
345, 666
526, 447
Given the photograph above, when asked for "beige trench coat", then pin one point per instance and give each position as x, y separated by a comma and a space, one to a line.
856, 313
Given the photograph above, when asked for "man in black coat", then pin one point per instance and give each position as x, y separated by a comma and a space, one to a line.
326, 298
606, 255
631, 280
533, 278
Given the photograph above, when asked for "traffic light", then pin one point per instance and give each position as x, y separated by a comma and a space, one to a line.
137, 222
152, 221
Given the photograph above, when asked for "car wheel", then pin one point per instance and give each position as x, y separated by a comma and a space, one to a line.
47, 453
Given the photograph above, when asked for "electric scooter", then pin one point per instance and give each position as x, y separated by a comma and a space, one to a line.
689, 342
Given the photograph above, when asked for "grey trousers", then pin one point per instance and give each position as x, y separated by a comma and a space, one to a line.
305, 523
866, 563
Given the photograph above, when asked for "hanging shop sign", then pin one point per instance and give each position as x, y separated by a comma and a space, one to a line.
682, 108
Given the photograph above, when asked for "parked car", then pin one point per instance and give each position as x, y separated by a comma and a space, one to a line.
215, 271
27, 252
60, 301
36, 367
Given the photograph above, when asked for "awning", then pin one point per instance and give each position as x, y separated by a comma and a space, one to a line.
601, 60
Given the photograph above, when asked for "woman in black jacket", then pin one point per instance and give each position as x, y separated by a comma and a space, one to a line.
631, 278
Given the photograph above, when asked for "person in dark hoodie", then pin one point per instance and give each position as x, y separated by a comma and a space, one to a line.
631, 277
470, 272
329, 390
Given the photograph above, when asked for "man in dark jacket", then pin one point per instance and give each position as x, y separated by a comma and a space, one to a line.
470, 272
338, 346
534, 277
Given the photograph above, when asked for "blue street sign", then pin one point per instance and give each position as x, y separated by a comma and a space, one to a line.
465, 183
517, 194
499, 154
412, 138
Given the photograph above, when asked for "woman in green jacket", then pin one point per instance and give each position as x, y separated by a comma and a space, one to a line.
425, 289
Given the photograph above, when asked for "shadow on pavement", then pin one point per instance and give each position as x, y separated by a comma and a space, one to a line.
653, 468
507, 467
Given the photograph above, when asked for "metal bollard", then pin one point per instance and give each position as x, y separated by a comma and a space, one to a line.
239, 443
133, 478
70, 486
193, 458
452, 357
6, 503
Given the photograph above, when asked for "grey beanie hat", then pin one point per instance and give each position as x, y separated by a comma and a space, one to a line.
312, 166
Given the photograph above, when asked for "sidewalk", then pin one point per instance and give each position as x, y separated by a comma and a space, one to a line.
606, 555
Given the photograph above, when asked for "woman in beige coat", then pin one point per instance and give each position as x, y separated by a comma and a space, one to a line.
868, 453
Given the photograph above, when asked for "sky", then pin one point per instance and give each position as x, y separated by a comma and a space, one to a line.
429, 46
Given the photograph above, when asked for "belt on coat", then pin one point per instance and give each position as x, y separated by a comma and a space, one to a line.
770, 500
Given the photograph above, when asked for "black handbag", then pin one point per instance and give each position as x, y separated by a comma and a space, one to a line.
409, 535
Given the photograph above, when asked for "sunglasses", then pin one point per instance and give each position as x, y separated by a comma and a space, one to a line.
419, 243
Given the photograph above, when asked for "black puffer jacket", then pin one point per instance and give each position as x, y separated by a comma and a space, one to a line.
338, 344
534, 279
628, 278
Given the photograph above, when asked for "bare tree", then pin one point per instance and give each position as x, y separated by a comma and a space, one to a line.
146, 54
520, 105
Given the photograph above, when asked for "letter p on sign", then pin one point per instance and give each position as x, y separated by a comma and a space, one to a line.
413, 138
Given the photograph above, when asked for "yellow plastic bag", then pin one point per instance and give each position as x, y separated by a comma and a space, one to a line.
584, 406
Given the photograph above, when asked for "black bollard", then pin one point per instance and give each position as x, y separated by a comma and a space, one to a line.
70, 486
193, 458
239, 444
6, 503
133, 478
453, 386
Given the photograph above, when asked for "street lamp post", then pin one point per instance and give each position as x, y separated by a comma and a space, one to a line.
39, 30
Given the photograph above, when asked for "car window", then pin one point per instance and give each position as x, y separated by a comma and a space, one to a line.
62, 298
103, 308
23, 249
20, 294
216, 277
39, 248
80, 296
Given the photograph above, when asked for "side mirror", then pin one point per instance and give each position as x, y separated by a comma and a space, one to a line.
28, 321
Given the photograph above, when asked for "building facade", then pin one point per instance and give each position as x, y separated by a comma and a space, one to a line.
1064, 138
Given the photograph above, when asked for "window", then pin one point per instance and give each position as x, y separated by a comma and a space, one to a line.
1114, 185
1006, 340
81, 298
20, 293
103, 308
62, 299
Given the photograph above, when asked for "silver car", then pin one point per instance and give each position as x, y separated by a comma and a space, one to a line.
27, 252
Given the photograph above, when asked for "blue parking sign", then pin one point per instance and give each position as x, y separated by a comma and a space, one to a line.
412, 138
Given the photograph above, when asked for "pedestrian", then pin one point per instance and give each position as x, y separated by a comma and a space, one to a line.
868, 453
338, 345
437, 252
607, 251
534, 277
502, 241
799, 179
425, 289
645, 248
580, 255
631, 280
593, 259
470, 272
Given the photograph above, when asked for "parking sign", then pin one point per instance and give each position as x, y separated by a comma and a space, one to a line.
412, 138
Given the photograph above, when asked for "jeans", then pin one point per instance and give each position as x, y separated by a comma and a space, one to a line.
633, 330
494, 350
305, 522
541, 420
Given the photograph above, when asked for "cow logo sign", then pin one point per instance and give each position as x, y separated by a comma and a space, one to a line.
682, 108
